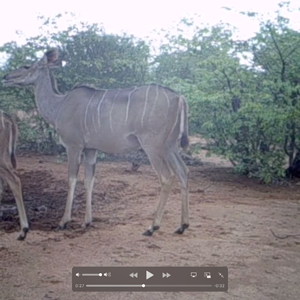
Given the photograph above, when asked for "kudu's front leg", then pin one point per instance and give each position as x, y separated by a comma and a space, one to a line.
15, 185
74, 156
90, 167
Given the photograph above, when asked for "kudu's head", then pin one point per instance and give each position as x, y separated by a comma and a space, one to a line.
28, 75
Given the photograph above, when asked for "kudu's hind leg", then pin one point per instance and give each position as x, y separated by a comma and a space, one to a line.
74, 156
90, 167
166, 178
15, 185
182, 173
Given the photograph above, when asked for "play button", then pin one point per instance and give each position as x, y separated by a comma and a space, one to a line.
148, 275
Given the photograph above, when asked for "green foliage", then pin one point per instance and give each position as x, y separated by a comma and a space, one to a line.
107, 61
88, 55
243, 95
249, 112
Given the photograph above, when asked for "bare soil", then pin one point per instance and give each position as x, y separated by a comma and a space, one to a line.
231, 218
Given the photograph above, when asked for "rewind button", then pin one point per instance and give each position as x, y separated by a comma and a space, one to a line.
132, 275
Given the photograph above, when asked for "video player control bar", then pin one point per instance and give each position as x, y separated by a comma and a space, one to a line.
205, 279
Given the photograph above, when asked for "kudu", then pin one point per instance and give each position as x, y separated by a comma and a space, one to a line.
8, 164
151, 117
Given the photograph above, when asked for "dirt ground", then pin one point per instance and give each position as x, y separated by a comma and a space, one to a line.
231, 219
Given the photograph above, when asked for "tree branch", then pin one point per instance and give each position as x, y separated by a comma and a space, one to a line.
228, 81
293, 50
282, 73
285, 147
260, 63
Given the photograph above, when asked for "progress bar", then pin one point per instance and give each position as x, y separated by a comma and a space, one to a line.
115, 285
148, 285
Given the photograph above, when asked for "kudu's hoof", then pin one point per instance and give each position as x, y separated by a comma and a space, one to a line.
182, 228
149, 232
23, 234
61, 227
88, 225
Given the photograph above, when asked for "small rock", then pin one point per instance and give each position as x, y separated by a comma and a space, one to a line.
276, 257
41, 208
7, 209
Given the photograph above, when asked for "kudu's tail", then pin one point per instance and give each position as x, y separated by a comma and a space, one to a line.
14, 145
184, 124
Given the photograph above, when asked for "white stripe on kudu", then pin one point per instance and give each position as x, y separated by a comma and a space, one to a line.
86, 111
128, 103
110, 112
99, 108
145, 105
154, 104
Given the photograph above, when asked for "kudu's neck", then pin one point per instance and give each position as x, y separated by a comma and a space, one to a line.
47, 97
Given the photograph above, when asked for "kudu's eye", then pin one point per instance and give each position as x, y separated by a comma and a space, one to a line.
26, 67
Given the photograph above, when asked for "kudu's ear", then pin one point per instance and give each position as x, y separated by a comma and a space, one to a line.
50, 58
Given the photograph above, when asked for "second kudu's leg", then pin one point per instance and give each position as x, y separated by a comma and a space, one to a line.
182, 173
74, 156
90, 167
15, 185
166, 178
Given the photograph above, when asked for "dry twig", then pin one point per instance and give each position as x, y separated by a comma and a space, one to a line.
284, 236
